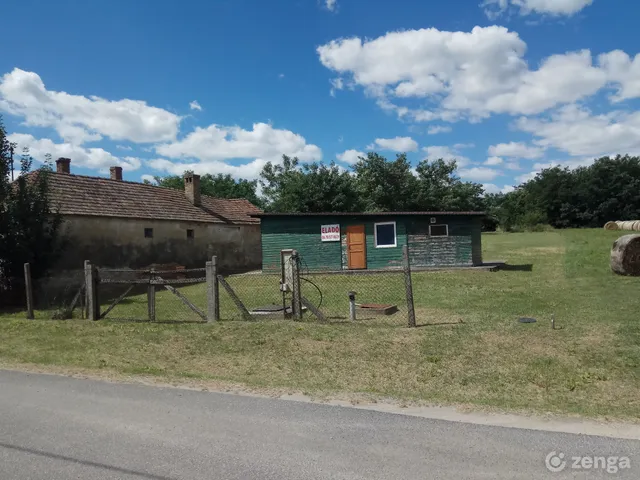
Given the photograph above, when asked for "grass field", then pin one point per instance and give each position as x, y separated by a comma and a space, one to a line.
469, 350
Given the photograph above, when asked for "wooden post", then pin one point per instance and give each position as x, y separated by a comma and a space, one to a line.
151, 302
408, 286
87, 264
297, 294
213, 290
93, 308
29, 290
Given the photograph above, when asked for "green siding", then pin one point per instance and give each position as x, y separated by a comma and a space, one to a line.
461, 248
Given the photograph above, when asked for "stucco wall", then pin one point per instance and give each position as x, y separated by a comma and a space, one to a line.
120, 242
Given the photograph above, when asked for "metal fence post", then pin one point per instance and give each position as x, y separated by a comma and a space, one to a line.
29, 290
297, 294
93, 308
408, 286
213, 290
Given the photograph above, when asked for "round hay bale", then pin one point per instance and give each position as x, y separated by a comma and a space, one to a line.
626, 225
636, 226
625, 255
611, 226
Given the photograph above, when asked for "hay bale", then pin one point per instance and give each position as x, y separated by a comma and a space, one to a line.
626, 225
625, 255
611, 226
636, 226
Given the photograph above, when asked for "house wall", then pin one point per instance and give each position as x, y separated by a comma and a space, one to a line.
120, 242
462, 247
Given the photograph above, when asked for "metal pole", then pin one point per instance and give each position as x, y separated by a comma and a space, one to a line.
352, 306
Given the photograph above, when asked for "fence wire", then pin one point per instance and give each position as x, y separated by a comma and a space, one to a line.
260, 293
153, 295
60, 297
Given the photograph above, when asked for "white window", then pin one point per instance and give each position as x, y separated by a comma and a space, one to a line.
439, 230
385, 234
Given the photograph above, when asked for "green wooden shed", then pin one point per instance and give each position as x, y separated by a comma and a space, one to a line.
373, 241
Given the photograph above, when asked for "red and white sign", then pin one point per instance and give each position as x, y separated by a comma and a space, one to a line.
330, 233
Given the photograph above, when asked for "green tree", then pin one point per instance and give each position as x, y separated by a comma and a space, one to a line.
289, 187
386, 186
29, 225
220, 186
440, 189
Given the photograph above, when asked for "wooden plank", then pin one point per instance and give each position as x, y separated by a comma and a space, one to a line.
245, 313
115, 302
186, 302
76, 298
408, 286
313, 309
29, 291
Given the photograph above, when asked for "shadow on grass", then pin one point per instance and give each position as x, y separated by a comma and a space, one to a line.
527, 267
155, 322
436, 324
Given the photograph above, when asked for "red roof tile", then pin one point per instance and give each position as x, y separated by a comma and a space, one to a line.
103, 197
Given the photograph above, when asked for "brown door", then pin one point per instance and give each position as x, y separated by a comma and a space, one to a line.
356, 247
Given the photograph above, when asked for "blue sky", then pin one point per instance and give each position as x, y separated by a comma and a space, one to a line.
506, 87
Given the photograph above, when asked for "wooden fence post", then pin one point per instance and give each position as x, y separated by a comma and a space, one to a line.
297, 294
29, 290
90, 279
213, 290
151, 298
408, 286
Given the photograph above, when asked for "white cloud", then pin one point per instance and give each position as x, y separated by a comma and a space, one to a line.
124, 147
434, 130
480, 174
514, 165
350, 156
494, 8
250, 170
397, 144
575, 130
195, 106
492, 161
445, 153
331, 5
623, 71
336, 84
79, 119
515, 150
491, 188
457, 75
281, 75
212, 146
93, 158
148, 178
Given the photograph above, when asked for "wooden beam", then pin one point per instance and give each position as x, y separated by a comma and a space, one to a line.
243, 310
115, 302
312, 308
186, 301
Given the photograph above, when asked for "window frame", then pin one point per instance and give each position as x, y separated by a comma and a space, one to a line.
395, 234
445, 225
193, 234
150, 230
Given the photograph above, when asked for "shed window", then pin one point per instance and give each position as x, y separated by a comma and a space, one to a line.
439, 230
148, 233
385, 234
190, 233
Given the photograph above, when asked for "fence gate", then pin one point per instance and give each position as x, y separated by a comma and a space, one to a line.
163, 295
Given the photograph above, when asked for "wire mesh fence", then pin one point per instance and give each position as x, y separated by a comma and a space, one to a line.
59, 296
177, 295
259, 293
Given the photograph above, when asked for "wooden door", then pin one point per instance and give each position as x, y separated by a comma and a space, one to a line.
356, 247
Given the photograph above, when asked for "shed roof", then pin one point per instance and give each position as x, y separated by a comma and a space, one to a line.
104, 197
362, 214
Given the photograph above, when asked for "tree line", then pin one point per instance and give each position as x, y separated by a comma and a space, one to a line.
588, 196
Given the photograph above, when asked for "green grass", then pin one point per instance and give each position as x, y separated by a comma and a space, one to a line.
469, 350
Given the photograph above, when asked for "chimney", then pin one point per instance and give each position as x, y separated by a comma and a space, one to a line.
63, 165
116, 173
192, 188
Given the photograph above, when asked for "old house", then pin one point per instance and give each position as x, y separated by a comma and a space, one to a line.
116, 223
358, 241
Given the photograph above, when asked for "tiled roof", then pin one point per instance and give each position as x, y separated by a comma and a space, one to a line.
103, 197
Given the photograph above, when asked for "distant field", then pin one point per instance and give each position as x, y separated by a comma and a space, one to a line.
470, 349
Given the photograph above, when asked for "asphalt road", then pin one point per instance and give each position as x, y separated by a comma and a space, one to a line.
55, 427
